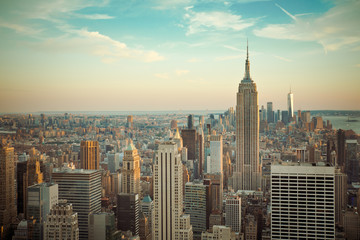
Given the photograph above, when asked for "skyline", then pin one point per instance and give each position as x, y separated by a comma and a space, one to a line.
166, 55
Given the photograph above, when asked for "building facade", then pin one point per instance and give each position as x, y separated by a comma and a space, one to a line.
89, 154
131, 170
247, 175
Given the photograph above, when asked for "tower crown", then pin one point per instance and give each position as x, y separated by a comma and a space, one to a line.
247, 77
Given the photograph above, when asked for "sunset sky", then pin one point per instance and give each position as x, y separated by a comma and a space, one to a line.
136, 55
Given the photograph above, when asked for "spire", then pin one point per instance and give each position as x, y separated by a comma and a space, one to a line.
247, 77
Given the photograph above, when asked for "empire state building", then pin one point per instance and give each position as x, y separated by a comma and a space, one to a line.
247, 175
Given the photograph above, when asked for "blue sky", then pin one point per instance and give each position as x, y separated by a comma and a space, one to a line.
180, 54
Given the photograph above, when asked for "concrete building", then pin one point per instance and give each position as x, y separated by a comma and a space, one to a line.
247, 174
89, 155
216, 155
233, 213
101, 226
81, 188
7, 189
250, 227
197, 205
219, 233
131, 171
41, 197
302, 201
169, 220
215, 181
61, 222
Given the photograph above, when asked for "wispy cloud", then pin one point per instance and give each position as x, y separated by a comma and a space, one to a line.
282, 58
162, 75
94, 16
233, 48
335, 29
20, 28
181, 72
225, 58
208, 21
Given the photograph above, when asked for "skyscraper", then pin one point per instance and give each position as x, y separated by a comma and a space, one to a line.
270, 112
302, 201
62, 222
290, 104
248, 169
131, 170
89, 154
81, 188
128, 210
216, 155
233, 213
169, 220
7, 188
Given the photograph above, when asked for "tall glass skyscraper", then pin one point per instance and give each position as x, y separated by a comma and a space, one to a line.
290, 104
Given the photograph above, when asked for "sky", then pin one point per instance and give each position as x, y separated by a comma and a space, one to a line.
135, 55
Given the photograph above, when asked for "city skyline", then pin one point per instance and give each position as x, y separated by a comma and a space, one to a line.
177, 55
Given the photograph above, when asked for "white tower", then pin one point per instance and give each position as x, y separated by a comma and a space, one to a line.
290, 104
169, 220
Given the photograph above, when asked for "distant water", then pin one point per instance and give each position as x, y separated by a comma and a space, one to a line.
340, 122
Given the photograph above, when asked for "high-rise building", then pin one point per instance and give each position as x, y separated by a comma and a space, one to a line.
7, 189
250, 227
189, 138
233, 213
131, 170
169, 220
81, 188
28, 173
270, 112
41, 197
61, 222
191, 121
215, 181
290, 104
352, 162
218, 233
90, 155
113, 161
101, 226
128, 212
197, 205
340, 196
247, 175
302, 201
216, 155
341, 139
130, 123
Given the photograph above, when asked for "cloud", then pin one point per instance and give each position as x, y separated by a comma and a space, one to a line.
282, 58
94, 16
162, 75
207, 21
170, 4
335, 29
233, 48
20, 28
181, 72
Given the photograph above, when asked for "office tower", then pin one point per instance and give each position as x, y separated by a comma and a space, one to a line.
28, 173
7, 189
305, 116
130, 123
200, 151
340, 196
24, 230
341, 148
290, 104
352, 162
189, 138
197, 205
144, 231
202, 119
147, 208
277, 116
285, 117
101, 226
81, 188
113, 162
128, 212
191, 121
90, 155
216, 154
248, 169
216, 190
301, 155
41, 197
270, 112
131, 170
233, 213
352, 225
61, 222
250, 227
299, 116
218, 233
169, 220
302, 201
261, 113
